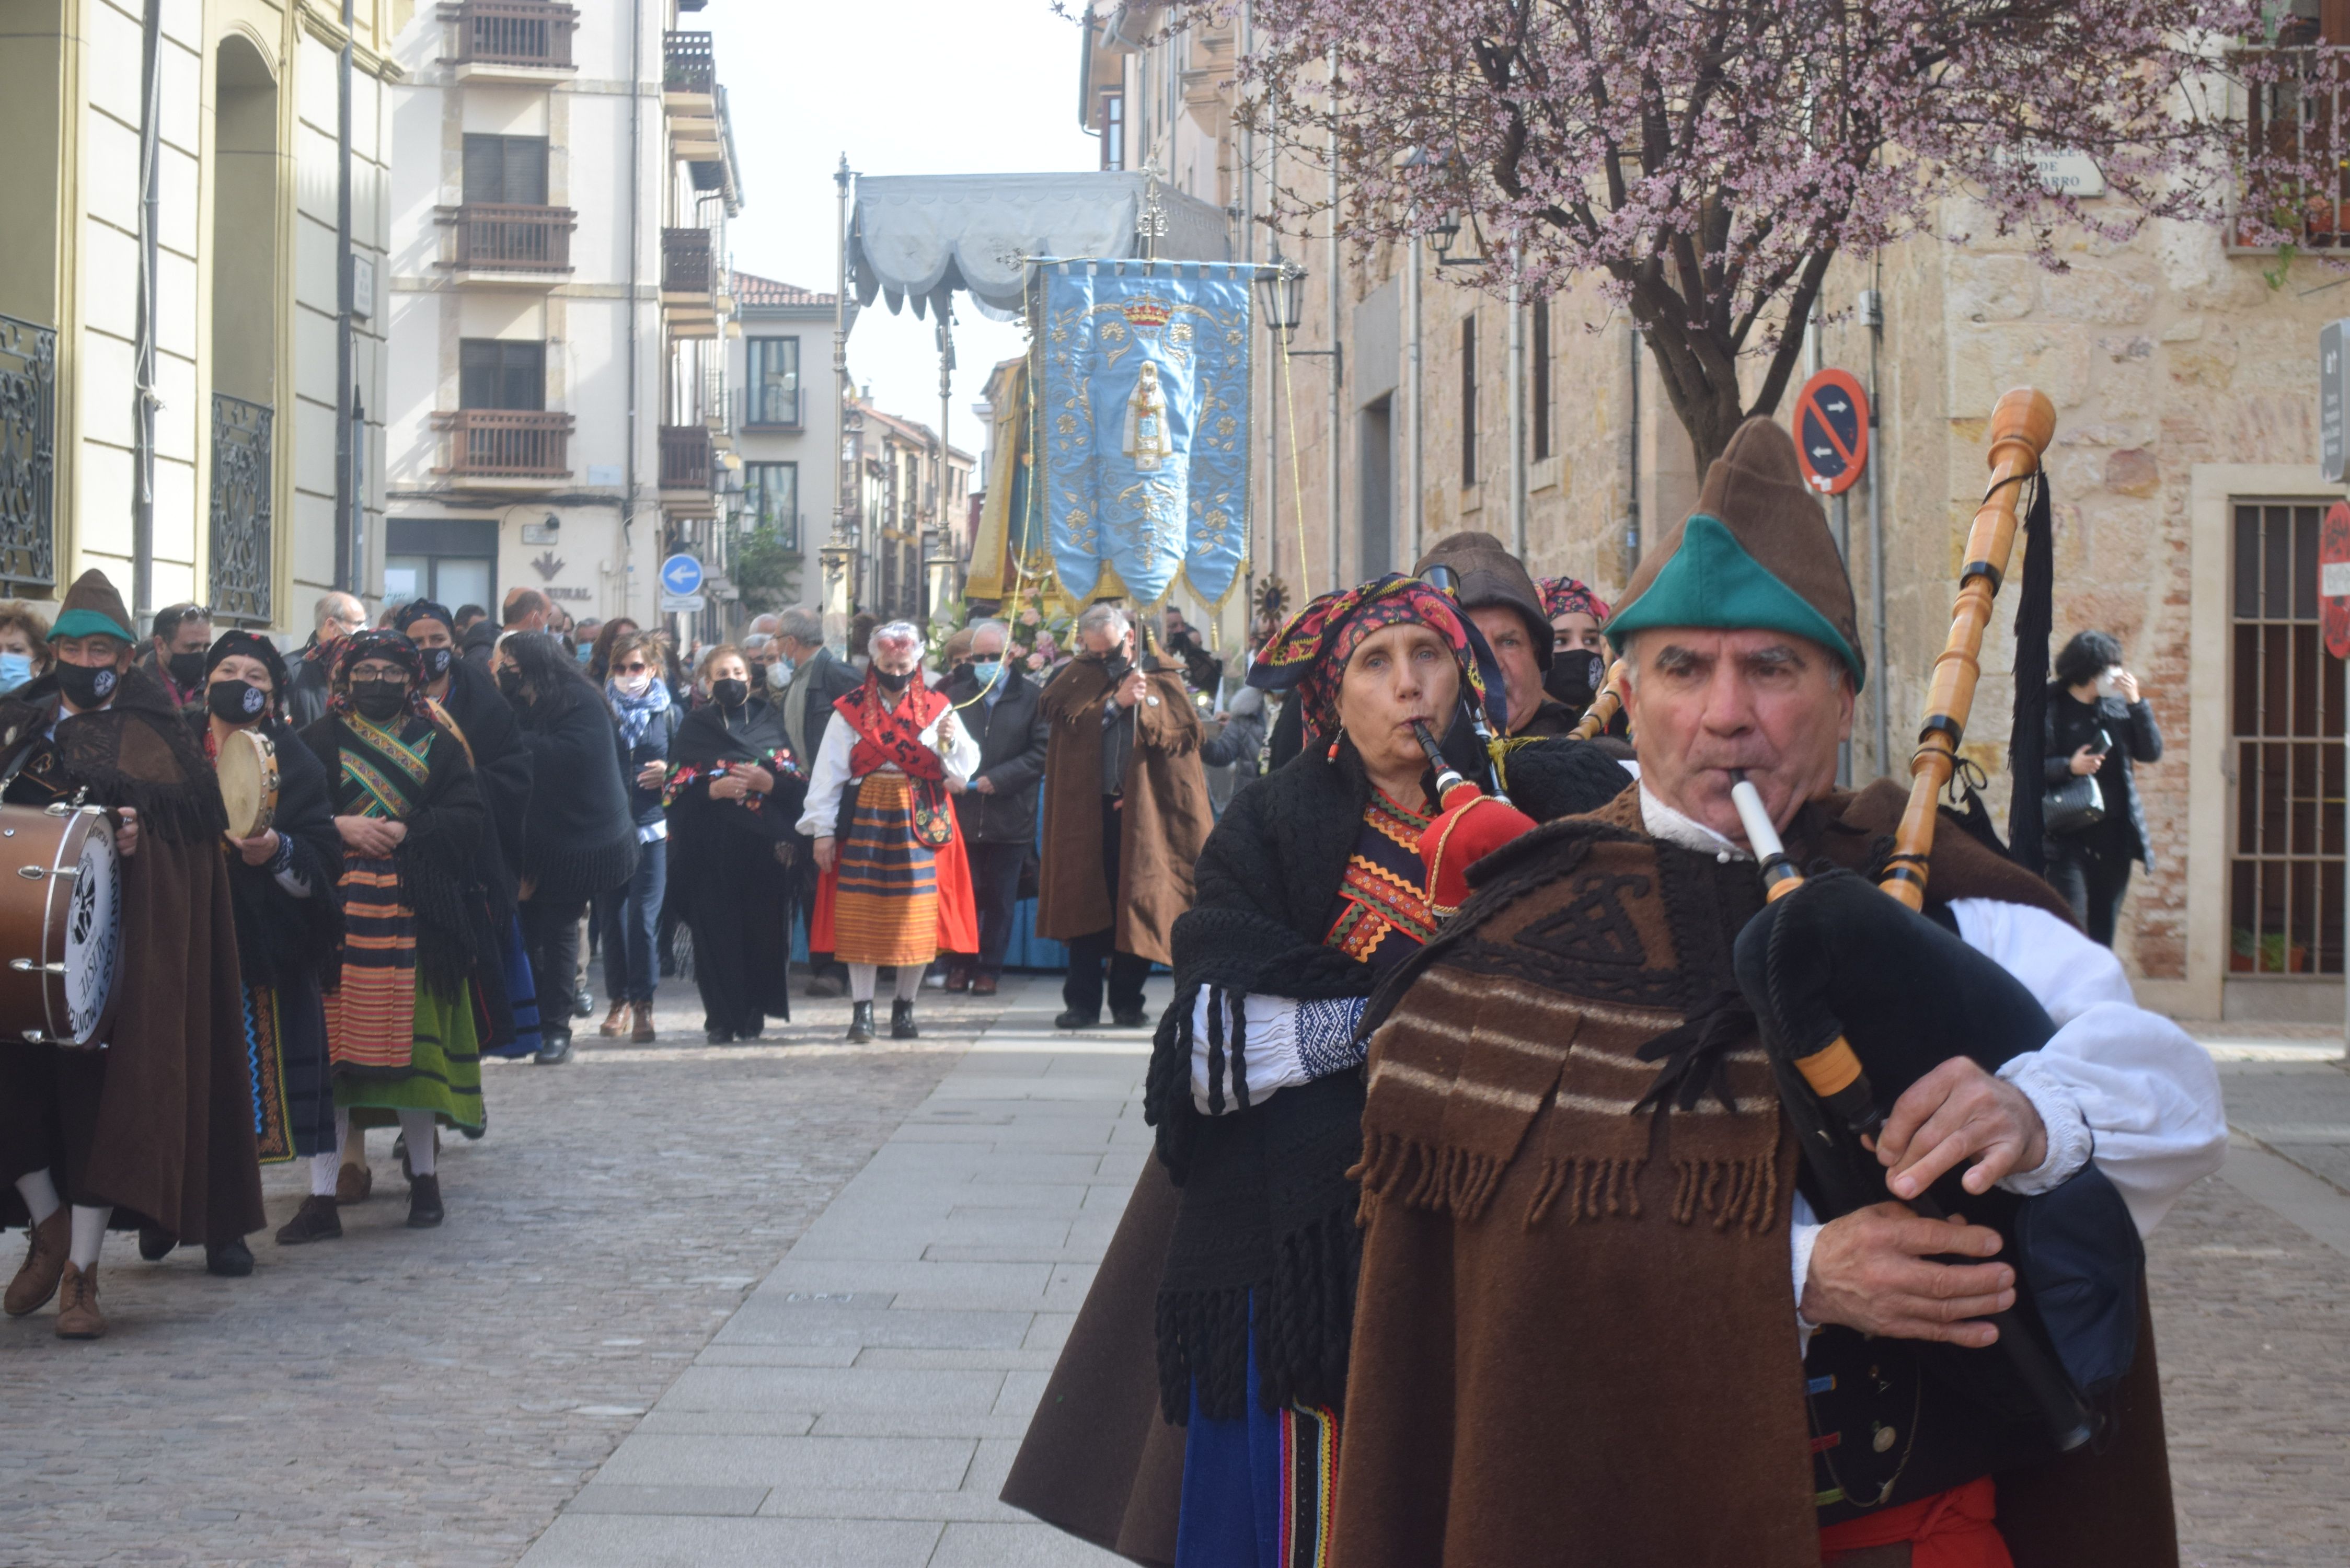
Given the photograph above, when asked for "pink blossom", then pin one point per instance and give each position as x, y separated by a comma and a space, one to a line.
1028, 617
1036, 661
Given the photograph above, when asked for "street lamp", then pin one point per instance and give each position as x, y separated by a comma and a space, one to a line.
1441, 238
1283, 286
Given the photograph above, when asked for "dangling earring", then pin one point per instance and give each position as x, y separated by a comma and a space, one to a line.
1332, 755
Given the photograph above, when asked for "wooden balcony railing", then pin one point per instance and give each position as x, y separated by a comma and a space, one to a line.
512, 33
510, 443
688, 459
504, 237
688, 262
688, 62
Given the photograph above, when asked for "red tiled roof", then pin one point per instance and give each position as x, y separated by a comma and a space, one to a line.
750, 289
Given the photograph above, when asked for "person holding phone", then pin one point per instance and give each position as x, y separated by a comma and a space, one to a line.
2098, 723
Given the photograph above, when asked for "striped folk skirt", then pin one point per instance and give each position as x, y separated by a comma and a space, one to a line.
886, 907
396, 1044
286, 1047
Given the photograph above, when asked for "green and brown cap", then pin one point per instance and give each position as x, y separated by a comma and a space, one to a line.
1491, 575
92, 608
1755, 555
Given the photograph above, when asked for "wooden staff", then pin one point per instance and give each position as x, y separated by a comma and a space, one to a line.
2021, 425
1604, 706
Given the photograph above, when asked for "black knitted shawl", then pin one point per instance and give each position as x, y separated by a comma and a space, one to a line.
1267, 1209
135, 752
277, 934
578, 838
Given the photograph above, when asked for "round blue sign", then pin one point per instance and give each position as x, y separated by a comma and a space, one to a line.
680, 575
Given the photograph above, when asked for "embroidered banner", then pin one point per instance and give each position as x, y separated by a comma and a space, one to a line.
1145, 414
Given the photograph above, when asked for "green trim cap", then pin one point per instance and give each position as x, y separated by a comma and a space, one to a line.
92, 609
1756, 554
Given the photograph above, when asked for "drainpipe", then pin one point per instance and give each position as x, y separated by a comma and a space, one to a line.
1872, 316
1632, 450
349, 569
1411, 390
1337, 360
142, 506
636, 286
1517, 412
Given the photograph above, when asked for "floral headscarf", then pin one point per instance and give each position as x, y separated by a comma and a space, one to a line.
1310, 652
252, 646
389, 645
1564, 595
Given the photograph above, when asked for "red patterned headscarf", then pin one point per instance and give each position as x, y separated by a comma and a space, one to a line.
1564, 595
390, 646
1310, 652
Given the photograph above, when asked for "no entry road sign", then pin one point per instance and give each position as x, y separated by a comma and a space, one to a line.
1832, 430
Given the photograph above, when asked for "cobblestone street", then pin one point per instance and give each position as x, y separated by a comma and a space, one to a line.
606, 1358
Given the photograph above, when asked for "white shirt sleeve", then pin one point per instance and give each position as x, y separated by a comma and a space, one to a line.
1288, 1043
821, 813
960, 757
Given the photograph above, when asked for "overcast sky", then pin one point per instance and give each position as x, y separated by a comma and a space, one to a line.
903, 87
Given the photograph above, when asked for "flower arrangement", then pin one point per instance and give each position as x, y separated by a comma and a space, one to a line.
1040, 635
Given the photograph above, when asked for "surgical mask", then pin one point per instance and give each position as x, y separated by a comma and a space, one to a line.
187, 670
585, 652
437, 662
633, 685
779, 674
893, 682
87, 687
235, 701
730, 693
377, 701
15, 670
985, 670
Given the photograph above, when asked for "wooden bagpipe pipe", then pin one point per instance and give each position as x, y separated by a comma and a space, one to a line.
1858, 997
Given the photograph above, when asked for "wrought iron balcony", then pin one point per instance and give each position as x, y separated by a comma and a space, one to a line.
28, 400
689, 63
508, 237
688, 262
506, 443
689, 459
512, 33
244, 564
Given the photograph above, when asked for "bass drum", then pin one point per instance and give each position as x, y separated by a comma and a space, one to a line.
60, 924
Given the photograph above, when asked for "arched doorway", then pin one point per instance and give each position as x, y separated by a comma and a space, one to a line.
246, 170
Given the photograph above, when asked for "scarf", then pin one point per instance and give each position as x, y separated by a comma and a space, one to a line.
389, 645
1564, 595
1310, 653
384, 767
892, 736
636, 714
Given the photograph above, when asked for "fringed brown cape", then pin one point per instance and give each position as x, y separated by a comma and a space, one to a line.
1574, 1338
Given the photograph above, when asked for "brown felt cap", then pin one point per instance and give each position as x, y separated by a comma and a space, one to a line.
1489, 575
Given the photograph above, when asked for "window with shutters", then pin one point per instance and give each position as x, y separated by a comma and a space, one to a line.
505, 171
492, 373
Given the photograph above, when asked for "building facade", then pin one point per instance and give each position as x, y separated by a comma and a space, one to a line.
190, 380
558, 398
2185, 469
912, 543
787, 424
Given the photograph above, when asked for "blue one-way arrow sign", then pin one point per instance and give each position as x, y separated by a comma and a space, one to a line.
680, 575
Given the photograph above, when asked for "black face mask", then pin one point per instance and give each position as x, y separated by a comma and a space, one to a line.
187, 670
377, 701
889, 683
437, 662
510, 682
1574, 676
86, 687
730, 693
236, 703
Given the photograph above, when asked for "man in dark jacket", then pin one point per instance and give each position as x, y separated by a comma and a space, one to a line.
338, 615
477, 639
820, 678
998, 704
1501, 598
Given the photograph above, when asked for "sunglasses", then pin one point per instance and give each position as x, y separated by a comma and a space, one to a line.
638, 668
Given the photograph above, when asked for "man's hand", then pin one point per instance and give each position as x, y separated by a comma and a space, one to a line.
653, 776
1955, 1113
824, 855
1130, 689
2087, 760
126, 835
260, 849
955, 785
983, 785
1870, 1271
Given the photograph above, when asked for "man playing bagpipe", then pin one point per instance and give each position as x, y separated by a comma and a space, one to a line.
1605, 1315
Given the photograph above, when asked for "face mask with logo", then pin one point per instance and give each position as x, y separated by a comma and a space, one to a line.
730, 693
437, 662
235, 701
15, 670
377, 701
187, 670
87, 687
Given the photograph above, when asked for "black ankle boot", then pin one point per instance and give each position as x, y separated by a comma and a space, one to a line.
901, 1022
860, 1022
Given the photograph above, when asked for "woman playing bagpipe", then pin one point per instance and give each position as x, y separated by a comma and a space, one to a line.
1604, 1317
289, 925
404, 1024
1310, 888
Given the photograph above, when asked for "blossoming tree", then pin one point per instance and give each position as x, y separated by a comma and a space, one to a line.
1709, 159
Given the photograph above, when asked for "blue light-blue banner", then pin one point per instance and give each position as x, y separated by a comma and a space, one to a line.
1144, 404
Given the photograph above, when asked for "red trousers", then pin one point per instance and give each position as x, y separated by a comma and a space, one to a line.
1954, 1529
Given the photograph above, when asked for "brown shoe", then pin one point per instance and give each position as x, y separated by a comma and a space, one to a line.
982, 985
958, 977
614, 1021
316, 1220
44, 1261
78, 1314
354, 1184
644, 1029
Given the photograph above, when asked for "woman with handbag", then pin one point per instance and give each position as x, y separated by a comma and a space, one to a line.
2098, 727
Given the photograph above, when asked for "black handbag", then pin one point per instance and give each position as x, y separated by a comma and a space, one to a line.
2073, 806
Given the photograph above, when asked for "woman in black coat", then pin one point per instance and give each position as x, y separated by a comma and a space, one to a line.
578, 839
2098, 724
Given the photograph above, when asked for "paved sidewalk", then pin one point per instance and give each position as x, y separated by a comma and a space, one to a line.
862, 1405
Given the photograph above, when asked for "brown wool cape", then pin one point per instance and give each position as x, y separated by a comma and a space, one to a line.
1162, 827
1574, 1336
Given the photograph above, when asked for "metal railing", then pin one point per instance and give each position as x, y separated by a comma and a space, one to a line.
513, 443
688, 262
28, 400
509, 237
512, 33
688, 62
689, 460
2294, 101
244, 564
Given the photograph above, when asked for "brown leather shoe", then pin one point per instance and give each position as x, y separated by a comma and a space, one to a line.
958, 977
614, 1021
78, 1314
644, 1032
44, 1261
354, 1184
316, 1220
982, 985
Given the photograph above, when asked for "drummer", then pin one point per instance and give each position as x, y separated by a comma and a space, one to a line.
289, 926
90, 1137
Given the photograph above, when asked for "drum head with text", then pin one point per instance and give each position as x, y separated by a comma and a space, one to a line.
93, 947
